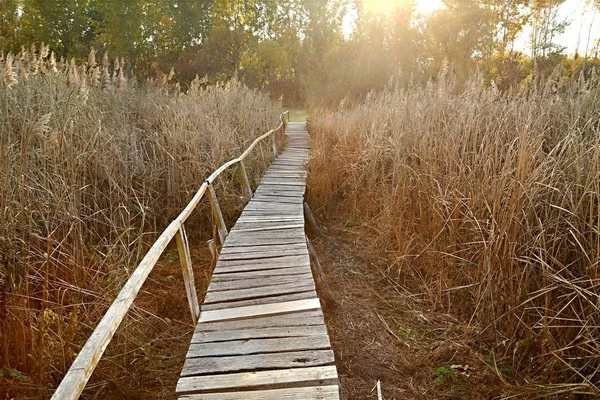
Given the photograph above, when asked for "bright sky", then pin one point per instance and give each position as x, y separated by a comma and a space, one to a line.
581, 15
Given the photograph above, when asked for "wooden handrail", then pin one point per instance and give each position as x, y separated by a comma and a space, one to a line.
79, 373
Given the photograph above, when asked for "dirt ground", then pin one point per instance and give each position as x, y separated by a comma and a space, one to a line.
382, 333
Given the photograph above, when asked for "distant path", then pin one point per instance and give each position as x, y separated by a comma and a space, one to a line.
261, 333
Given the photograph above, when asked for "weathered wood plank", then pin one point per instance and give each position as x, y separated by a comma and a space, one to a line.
278, 199
275, 262
255, 346
301, 318
261, 274
217, 214
222, 296
312, 294
321, 376
267, 234
264, 254
257, 362
248, 283
265, 309
183, 248
270, 228
330, 392
259, 249
264, 241
258, 333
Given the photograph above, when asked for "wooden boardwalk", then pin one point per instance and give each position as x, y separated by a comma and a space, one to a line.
261, 333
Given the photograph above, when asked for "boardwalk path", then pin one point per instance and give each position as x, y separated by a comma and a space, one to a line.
261, 334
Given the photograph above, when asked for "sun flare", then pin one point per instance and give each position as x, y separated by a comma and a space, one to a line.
387, 6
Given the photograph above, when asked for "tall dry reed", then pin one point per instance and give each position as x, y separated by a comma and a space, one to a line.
92, 166
489, 204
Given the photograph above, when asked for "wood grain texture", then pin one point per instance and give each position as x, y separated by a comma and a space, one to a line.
330, 392
311, 294
261, 281
266, 309
312, 376
302, 318
257, 362
317, 329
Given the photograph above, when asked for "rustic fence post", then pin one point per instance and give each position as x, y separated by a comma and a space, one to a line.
245, 182
188, 272
218, 215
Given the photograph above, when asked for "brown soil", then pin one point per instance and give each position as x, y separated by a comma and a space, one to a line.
382, 332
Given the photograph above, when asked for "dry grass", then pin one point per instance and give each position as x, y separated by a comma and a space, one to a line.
487, 206
92, 165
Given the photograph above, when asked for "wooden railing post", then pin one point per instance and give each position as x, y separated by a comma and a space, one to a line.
218, 215
188, 273
274, 142
245, 182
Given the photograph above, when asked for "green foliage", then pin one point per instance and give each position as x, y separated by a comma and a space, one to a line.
444, 375
295, 49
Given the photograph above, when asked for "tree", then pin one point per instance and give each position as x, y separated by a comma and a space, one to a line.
63, 24
462, 34
546, 25
9, 20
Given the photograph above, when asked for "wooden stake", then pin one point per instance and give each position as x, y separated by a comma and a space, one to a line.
214, 204
322, 288
311, 221
213, 252
274, 143
245, 182
188, 272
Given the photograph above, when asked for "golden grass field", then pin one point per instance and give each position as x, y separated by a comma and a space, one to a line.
486, 206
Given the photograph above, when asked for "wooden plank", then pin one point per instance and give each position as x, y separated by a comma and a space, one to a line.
301, 318
281, 218
330, 392
283, 272
264, 241
257, 362
275, 258
256, 346
268, 212
285, 261
265, 309
257, 333
282, 182
312, 294
275, 280
218, 215
277, 174
277, 199
280, 193
269, 233
271, 228
183, 248
221, 296
325, 376
245, 182
280, 208
259, 249
272, 236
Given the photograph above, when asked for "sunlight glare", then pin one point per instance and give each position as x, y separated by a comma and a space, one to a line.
386, 6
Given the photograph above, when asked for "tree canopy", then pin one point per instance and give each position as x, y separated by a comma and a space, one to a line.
296, 48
